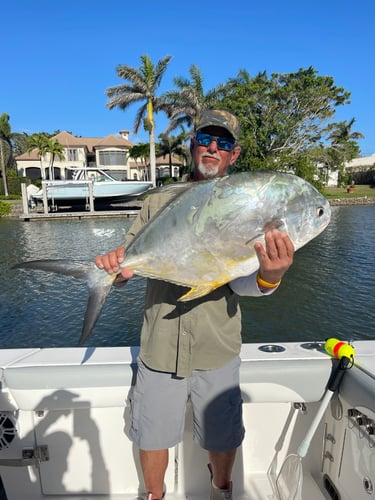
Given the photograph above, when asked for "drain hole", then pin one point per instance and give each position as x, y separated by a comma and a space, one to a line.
367, 484
271, 348
313, 346
331, 489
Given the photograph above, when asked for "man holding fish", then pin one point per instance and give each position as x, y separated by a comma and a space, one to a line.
190, 350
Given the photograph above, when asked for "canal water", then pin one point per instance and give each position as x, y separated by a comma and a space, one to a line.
329, 291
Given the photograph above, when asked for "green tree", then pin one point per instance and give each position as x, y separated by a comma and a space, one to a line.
281, 116
144, 83
5, 148
19, 143
171, 145
11, 145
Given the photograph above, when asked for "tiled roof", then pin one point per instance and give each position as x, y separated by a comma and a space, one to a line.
68, 140
113, 140
32, 155
90, 143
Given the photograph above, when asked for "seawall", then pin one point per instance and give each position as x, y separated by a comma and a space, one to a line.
365, 200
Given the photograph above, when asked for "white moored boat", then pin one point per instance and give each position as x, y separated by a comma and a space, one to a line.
104, 187
64, 421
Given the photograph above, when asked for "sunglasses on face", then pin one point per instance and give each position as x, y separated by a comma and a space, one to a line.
224, 143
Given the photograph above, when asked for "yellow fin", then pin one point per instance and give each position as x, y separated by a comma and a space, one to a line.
200, 291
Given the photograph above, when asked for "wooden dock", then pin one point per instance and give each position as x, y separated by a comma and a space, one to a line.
61, 214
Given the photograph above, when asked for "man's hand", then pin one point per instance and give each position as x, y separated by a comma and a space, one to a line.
111, 263
277, 257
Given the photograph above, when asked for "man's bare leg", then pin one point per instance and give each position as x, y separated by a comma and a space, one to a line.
154, 464
221, 467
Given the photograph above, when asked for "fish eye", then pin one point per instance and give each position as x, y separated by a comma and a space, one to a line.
320, 211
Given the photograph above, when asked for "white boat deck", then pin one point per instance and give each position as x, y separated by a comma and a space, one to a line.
73, 403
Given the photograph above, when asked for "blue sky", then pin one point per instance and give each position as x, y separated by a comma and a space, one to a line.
58, 58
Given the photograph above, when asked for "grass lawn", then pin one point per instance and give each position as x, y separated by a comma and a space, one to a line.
360, 191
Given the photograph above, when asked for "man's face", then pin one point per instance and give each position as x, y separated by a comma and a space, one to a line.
210, 161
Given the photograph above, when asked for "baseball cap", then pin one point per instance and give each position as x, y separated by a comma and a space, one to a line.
220, 118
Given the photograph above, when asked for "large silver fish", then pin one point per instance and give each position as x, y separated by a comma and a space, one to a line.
204, 237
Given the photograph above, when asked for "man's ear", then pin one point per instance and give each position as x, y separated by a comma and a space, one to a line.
235, 154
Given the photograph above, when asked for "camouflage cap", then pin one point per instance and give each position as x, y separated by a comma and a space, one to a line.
220, 118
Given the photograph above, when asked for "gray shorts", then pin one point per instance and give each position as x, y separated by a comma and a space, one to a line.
158, 404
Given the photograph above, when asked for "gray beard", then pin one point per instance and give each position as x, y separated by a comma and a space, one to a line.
208, 173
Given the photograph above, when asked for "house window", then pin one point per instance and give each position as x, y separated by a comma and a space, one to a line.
112, 158
72, 154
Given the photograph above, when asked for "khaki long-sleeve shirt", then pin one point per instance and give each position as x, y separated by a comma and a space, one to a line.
178, 337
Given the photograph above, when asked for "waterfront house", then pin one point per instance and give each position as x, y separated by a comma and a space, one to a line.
110, 153
361, 170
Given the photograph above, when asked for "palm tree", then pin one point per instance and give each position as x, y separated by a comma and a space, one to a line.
144, 82
343, 139
55, 149
170, 145
343, 143
343, 133
185, 105
40, 143
11, 144
141, 152
5, 148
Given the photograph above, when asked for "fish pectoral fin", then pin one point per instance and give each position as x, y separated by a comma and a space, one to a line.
274, 224
251, 242
199, 291
269, 226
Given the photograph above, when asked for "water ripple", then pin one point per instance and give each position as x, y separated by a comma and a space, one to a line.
329, 291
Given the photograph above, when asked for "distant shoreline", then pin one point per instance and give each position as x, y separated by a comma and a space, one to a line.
339, 202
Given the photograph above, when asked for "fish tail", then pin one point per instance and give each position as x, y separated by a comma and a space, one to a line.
98, 281
97, 296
